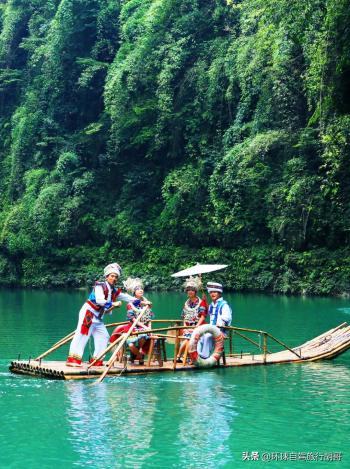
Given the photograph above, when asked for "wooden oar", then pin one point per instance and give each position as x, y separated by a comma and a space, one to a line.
110, 346
68, 337
120, 345
57, 345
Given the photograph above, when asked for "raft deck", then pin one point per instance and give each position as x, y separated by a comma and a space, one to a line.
326, 346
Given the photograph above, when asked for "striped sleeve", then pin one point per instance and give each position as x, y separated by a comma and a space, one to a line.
203, 309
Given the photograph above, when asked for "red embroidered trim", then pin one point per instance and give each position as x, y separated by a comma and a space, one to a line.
87, 321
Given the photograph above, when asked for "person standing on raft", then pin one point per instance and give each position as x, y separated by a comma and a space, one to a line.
103, 298
220, 315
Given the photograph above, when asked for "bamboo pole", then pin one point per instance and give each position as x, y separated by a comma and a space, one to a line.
115, 324
66, 339
231, 342
244, 329
56, 346
121, 343
162, 329
324, 334
265, 347
251, 340
166, 320
283, 345
110, 346
150, 351
186, 352
166, 336
176, 348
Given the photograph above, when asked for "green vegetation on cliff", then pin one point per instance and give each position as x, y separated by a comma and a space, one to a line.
162, 132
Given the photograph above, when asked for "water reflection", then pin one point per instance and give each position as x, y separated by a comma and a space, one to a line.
89, 423
207, 411
111, 425
164, 422
133, 412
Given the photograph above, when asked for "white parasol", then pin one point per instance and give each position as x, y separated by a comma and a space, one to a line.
199, 269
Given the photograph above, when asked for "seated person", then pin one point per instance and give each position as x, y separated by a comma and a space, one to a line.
138, 344
220, 314
194, 312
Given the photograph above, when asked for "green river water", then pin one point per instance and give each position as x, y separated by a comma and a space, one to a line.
208, 419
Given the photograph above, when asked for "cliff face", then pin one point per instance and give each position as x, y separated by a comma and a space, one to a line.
162, 132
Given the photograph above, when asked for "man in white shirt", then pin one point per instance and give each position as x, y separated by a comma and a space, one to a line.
103, 298
220, 315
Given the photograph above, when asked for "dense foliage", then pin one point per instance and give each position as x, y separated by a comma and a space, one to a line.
163, 132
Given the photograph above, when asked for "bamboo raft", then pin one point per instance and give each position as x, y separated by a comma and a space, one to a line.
326, 346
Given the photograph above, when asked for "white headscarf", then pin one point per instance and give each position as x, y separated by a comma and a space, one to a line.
132, 284
112, 269
213, 286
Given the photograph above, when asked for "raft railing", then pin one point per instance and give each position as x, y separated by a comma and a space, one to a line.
238, 331
232, 330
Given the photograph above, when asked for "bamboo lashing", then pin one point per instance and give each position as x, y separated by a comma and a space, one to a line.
121, 343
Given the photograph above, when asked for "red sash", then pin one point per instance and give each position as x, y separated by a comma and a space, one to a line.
87, 321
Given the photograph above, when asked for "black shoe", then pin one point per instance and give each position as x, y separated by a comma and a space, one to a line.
179, 360
142, 360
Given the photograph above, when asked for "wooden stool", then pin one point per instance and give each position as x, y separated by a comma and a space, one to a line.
157, 350
123, 355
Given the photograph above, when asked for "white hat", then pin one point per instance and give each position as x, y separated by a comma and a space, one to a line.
213, 286
132, 284
112, 269
193, 283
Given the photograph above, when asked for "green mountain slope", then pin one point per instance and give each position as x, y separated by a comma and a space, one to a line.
162, 132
